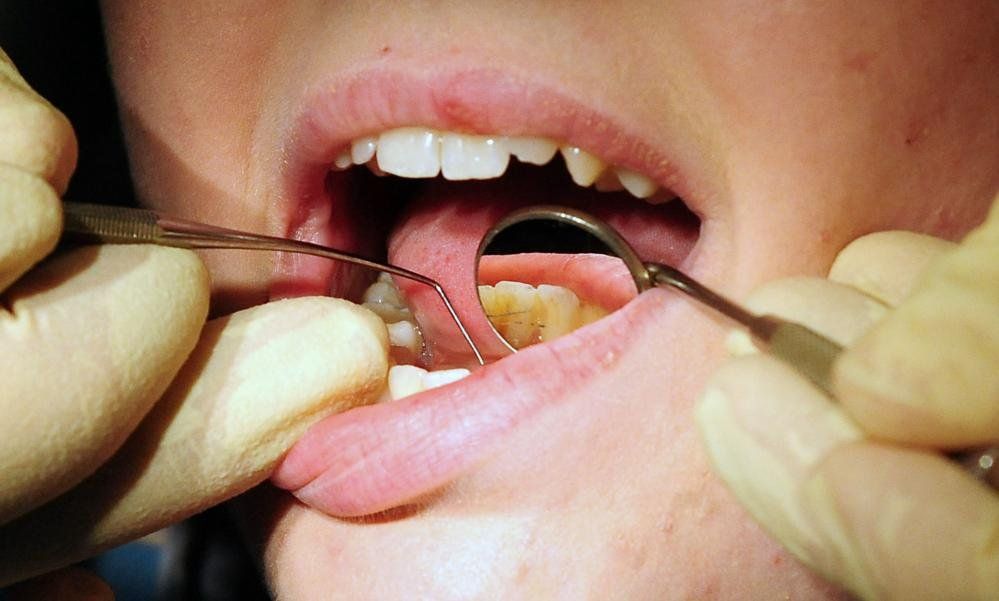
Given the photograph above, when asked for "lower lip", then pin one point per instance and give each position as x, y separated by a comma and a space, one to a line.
374, 458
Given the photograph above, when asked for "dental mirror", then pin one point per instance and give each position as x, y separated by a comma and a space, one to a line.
545, 271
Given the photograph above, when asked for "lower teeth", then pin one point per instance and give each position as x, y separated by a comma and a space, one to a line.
385, 300
521, 313
525, 315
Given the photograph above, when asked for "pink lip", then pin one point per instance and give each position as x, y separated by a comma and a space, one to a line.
374, 458
381, 456
468, 99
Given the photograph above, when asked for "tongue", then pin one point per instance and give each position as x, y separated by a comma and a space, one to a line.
439, 232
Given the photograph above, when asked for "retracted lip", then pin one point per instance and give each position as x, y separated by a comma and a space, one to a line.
374, 458
377, 457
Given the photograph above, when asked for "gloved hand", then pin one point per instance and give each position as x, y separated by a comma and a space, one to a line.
122, 411
858, 490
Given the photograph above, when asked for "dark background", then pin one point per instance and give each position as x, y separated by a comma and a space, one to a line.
58, 46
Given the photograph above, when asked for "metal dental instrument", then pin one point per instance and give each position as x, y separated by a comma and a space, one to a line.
104, 224
810, 353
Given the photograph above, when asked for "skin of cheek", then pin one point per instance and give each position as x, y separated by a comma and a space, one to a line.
644, 519
873, 139
530, 517
192, 148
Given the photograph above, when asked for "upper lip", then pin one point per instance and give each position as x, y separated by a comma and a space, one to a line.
464, 99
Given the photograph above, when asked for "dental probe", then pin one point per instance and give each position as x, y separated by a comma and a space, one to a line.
104, 224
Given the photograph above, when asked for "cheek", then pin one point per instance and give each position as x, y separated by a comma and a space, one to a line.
190, 79
607, 493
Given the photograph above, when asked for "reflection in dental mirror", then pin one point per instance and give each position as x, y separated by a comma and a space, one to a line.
540, 275
544, 271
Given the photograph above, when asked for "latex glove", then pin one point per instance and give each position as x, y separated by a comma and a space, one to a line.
91, 339
856, 490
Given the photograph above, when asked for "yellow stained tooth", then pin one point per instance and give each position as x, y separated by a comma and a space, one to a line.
524, 315
517, 312
558, 309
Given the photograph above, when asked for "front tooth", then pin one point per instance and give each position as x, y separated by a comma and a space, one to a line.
363, 150
409, 152
583, 166
472, 157
636, 183
538, 151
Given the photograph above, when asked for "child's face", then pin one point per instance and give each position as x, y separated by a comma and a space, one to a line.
789, 129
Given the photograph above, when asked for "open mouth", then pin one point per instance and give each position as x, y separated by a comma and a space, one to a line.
415, 171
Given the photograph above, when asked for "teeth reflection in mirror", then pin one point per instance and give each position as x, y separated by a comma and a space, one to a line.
363, 150
557, 310
636, 183
583, 166
472, 157
537, 151
406, 380
515, 307
409, 152
525, 315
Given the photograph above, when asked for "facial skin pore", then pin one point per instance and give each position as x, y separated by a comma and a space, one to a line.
795, 129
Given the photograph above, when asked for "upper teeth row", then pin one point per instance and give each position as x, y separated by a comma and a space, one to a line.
423, 152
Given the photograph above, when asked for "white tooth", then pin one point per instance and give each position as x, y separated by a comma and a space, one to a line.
608, 182
537, 151
472, 157
583, 166
383, 292
363, 150
404, 380
404, 334
409, 152
434, 379
389, 313
636, 183
342, 161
